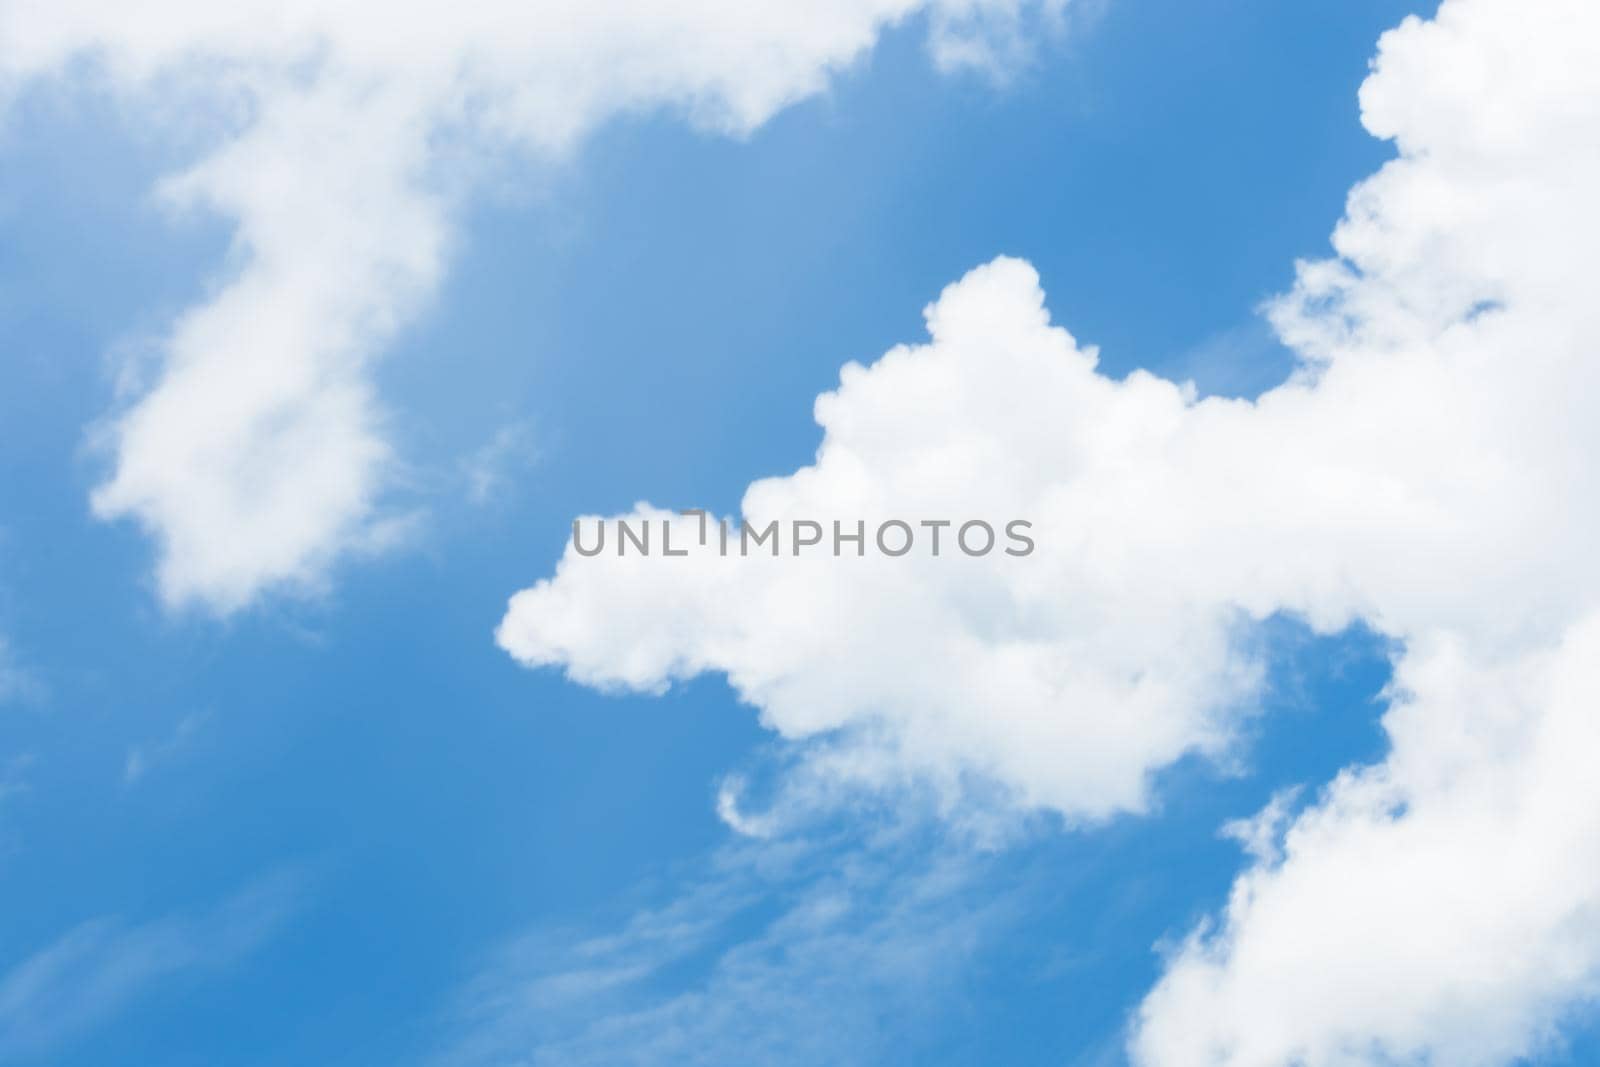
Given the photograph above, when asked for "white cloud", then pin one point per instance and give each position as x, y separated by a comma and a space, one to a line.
1068, 674
1430, 468
338, 137
1440, 907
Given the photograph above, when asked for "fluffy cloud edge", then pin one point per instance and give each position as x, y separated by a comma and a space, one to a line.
335, 139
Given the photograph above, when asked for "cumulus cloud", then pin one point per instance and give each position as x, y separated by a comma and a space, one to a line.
1428, 468
1163, 525
1067, 674
1443, 905
1440, 907
337, 138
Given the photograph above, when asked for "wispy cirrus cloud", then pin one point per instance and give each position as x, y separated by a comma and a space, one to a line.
99, 968
869, 927
142, 758
16, 681
510, 452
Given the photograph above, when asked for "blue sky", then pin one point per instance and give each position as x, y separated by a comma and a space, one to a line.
344, 827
